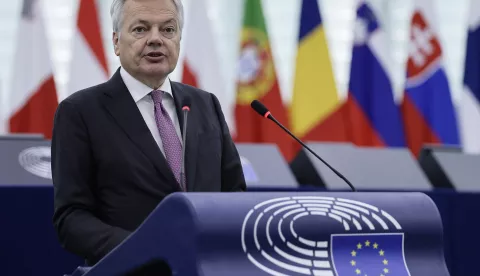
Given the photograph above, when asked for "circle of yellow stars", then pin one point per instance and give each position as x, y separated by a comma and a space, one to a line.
375, 246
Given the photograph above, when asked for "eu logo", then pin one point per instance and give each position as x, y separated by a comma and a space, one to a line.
368, 255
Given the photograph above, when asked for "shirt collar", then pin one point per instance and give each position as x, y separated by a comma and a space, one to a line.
139, 90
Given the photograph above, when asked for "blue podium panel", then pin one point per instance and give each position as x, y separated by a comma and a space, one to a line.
263, 165
368, 168
25, 160
302, 233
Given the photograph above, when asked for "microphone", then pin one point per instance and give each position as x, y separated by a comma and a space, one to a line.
264, 112
187, 102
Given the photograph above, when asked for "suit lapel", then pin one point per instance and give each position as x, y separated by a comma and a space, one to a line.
123, 109
192, 134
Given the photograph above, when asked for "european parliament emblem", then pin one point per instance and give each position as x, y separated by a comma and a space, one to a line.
323, 236
36, 160
364, 254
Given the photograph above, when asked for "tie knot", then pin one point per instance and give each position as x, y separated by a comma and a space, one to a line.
157, 96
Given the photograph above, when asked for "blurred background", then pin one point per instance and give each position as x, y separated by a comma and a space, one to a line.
282, 18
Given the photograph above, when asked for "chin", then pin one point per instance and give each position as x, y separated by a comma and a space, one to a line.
156, 71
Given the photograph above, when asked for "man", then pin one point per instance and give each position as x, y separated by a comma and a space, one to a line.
116, 147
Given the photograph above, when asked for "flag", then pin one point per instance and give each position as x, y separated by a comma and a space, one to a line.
369, 254
257, 80
89, 64
201, 66
316, 112
32, 98
372, 116
427, 107
470, 103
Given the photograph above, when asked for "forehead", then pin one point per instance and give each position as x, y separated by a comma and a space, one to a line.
149, 10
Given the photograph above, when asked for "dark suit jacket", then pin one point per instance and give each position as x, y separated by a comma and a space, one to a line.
109, 173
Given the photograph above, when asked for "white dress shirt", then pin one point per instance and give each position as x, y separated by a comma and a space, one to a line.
142, 97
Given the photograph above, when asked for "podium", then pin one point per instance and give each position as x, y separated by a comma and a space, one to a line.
283, 233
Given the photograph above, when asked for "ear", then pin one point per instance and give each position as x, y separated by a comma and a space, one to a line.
115, 39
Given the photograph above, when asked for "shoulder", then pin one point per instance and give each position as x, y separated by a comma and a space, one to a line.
92, 95
189, 90
90, 101
196, 94
88, 95
205, 101
84, 104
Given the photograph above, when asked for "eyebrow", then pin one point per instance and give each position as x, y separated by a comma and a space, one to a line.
145, 22
170, 21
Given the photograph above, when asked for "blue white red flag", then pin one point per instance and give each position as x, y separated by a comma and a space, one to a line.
373, 117
427, 108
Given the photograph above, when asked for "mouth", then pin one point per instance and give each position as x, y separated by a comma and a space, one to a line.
154, 56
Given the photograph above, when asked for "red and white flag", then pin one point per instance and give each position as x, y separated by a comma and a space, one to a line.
32, 98
201, 67
89, 64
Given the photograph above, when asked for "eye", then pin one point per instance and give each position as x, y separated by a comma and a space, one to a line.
139, 29
170, 30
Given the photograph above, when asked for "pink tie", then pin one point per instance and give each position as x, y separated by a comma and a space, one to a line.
170, 140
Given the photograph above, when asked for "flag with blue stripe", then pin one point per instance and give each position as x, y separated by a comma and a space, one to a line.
428, 111
373, 117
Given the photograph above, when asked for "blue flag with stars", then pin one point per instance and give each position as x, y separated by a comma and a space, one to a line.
369, 255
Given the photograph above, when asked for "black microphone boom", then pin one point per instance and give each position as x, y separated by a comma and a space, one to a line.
185, 108
263, 111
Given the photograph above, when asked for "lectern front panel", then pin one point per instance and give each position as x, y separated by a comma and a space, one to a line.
286, 233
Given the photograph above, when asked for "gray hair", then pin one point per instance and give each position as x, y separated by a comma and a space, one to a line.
116, 12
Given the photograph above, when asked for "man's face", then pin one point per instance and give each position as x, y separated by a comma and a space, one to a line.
149, 41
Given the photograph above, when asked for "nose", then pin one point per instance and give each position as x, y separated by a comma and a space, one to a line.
155, 38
